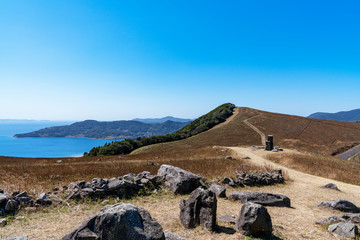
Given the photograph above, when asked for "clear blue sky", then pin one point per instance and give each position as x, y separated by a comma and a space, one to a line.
108, 60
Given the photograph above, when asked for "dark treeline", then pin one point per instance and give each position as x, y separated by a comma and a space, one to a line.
201, 124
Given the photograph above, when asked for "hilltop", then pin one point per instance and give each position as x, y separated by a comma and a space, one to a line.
107, 130
348, 116
294, 132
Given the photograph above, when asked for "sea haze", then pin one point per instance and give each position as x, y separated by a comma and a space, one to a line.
41, 147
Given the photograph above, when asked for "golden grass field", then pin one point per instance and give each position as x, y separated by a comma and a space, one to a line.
204, 154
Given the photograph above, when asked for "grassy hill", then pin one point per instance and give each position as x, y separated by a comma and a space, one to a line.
311, 135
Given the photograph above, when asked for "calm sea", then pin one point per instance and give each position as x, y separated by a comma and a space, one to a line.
41, 147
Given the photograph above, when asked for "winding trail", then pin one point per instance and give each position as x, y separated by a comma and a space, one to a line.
305, 193
262, 135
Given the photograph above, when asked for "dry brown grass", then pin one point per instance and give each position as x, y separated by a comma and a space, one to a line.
34, 175
323, 166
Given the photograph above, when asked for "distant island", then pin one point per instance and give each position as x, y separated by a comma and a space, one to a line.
114, 130
347, 116
162, 120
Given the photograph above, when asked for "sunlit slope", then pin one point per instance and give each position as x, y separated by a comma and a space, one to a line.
306, 134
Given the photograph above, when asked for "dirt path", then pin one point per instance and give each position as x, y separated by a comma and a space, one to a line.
262, 135
305, 192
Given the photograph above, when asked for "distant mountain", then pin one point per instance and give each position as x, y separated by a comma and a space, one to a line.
107, 130
161, 120
347, 116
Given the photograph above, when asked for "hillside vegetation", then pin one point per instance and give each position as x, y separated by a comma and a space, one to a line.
305, 134
201, 124
107, 130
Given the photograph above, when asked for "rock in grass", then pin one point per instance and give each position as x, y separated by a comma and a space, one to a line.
178, 180
254, 220
43, 199
11, 206
265, 199
331, 186
3, 222
16, 238
199, 209
344, 229
120, 221
172, 236
341, 205
219, 190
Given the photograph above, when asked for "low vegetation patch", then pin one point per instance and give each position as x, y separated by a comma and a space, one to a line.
201, 124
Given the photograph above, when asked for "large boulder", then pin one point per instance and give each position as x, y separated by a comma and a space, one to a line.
119, 221
199, 209
178, 180
254, 220
341, 205
265, 199
344, 229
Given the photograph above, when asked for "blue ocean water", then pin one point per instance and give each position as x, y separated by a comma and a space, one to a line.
41, 147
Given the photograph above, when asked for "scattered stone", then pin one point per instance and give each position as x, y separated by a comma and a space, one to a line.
3, 198
55, 176
255, 178
3, 222
16, 238
119, 221
150, 164
228, 157
178, 180
23, 194
228, 219
246, 158
254, 220
11, 206
341, 205
331, 186
43, 199
265, 199
344, 229
59, 161
347, 217
219, 190
199, 209
172, 236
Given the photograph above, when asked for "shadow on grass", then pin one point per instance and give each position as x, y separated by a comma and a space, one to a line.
226, 230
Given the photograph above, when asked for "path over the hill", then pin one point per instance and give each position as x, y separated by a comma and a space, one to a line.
262, 135
305, 193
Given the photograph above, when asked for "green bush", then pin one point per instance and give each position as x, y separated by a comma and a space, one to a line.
201, 124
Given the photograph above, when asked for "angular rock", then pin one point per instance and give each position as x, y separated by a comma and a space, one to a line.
265, 199
331, 186
344, 229
199, 209
43, 199
4, 198
23, 194
219, 190
11, 206
254, 220
178, 180
341, 205
351, 217
3, 222
119, 221
172, 236
330, 220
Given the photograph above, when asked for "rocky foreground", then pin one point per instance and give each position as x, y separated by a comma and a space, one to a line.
200, 209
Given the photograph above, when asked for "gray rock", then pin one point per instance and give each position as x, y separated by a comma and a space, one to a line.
4, 198
24, 200
114, 184
199, 209
172, 236
351, 217
344, 229
3, 222
219, 190
86, 192
254, 220
119, 221
16, 238
331, 186
178, 180
1, 191
23, 194
43, 199
11, 206
341, 205
265, 199
330, 220
228, 219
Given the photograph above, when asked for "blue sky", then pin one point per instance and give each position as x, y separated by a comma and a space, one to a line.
108, 60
